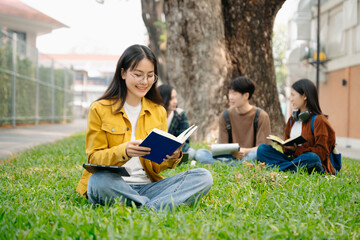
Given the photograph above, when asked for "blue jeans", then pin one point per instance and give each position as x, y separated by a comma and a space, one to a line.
205, 156
191, 153
274, 158
186, 187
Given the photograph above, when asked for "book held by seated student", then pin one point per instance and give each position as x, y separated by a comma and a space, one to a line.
223, 149
93, 168
288, 142
163, 143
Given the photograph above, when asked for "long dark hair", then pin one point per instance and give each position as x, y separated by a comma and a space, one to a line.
129, 59
307, 87
165, 92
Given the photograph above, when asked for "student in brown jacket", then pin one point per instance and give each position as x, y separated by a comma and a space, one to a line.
313, 154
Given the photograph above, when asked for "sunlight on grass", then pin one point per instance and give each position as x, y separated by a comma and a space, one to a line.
38, 200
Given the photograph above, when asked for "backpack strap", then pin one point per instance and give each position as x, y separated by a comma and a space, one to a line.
228, 125
256, 119
313, 123
335, 159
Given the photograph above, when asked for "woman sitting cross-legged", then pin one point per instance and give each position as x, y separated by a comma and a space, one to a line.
129, 109
313, 155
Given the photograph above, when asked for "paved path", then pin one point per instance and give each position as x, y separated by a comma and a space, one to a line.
349, 152
15, 140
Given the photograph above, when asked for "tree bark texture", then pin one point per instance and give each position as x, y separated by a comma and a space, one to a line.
248, 34
197, 62
211, 42
152, 11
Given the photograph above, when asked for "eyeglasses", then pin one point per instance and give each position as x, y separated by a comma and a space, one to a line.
140, 77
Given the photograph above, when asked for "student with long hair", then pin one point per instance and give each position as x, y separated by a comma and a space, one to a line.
176, 117
117, 122
313, 155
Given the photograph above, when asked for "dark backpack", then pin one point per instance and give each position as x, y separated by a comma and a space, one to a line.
228, 124
335, 158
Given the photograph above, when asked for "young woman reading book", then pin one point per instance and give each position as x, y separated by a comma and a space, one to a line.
314, 153
128, 111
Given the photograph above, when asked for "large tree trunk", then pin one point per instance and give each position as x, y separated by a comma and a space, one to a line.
152, 14
248, 34
211, 42
197, 61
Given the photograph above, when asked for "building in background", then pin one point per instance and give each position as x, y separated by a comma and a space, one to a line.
27, 23
87, 78
340, 69
30, 92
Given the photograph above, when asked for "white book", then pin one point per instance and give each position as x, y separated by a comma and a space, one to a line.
220, 149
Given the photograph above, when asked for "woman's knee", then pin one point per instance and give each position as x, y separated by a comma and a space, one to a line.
312, 157
202, 175
262, 149
99, 180
101, 183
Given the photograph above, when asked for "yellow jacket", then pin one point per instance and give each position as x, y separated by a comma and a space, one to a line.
107, 135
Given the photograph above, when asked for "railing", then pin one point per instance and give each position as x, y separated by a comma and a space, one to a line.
32, 92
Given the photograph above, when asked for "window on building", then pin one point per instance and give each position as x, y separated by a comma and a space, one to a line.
357, 39
336, 44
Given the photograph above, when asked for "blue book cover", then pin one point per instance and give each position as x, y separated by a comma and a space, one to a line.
163, 143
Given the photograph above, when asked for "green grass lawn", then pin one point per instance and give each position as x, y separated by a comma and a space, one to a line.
38, 201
